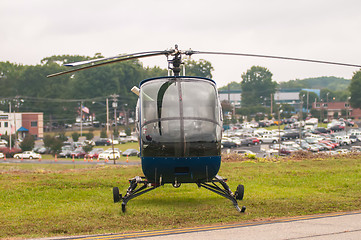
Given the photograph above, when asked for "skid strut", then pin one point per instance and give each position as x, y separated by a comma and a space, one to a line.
225, 191
132, 191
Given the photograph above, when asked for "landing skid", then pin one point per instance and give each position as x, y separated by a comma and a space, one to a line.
133, 191
225, 191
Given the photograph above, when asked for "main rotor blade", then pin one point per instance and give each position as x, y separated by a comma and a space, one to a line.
117, 59
75, 64
276, 57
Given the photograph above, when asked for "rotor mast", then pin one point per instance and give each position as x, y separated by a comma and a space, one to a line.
174, 64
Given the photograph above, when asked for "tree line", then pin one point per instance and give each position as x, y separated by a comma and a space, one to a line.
27, 88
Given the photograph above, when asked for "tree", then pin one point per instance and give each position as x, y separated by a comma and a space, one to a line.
53, 143
89, 135
311, 98
257, 84
103, 134
28, 143
287, 110
75, 136
202, 68
355, 90
231, 86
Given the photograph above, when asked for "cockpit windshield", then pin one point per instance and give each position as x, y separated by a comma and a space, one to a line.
180, 117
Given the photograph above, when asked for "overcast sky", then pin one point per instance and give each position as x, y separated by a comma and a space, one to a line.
318, 29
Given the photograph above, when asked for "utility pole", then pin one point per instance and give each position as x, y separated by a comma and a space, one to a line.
300, 114
115, 105
308, 96
10, 124
81, 118
107, 103
271, 103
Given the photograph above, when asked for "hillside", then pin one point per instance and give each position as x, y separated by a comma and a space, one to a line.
331, 83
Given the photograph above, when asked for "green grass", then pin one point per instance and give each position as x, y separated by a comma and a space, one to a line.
53, 200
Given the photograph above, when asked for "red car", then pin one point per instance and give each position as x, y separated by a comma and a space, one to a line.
78, 153
255, 140
94, 153
329, 143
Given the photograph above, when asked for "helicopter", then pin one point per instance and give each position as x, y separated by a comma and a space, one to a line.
179, 125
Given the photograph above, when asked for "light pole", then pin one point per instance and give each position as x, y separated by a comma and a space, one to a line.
279, 130
106, 105
10, 125
301, 113
327, 104
347, 112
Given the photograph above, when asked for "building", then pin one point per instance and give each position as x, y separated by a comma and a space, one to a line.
338, 109
232, 96
24, 123
283, 96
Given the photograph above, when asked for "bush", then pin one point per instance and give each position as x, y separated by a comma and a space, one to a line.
128, 131
87, 148
116, 132
89, 135
53, 143
75, 136
10, 153
103, 134
28, 143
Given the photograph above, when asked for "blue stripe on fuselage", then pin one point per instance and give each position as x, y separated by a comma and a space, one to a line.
180, 169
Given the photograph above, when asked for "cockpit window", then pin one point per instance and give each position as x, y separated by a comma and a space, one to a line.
179, 117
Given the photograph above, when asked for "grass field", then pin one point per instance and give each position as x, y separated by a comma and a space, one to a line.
53, 200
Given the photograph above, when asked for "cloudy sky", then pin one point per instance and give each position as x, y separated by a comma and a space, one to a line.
317, 29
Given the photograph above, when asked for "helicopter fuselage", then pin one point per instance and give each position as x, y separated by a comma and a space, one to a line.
180, 129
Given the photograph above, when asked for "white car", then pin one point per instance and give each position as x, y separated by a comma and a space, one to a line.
27, 154
1, 155
3, 143
109, 155
343, 140
268, 139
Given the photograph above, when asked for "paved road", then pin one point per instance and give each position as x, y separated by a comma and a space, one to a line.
316, 227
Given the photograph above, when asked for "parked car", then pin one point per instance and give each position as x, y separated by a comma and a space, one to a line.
65, 153
343, 140
244, 152
290, 135
3, 143
130, 152
27, 154
109, 155
131, 139
255, 141
95, 153
114, 141
228, 144
1, 155
268, 139
102, 142
42, 150
337, 128
319, 130
78, 153
246, 142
